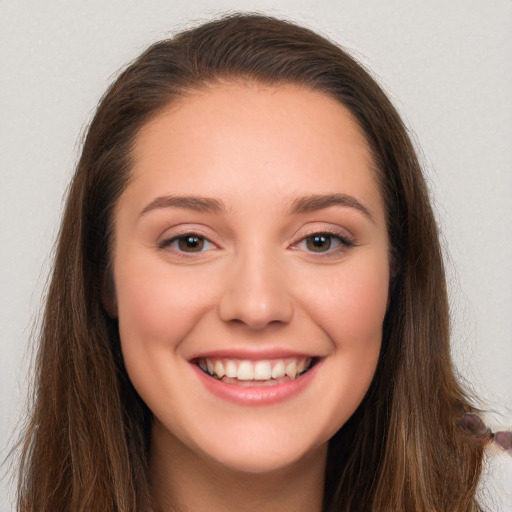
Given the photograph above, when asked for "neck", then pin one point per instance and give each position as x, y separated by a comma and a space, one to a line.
183, 481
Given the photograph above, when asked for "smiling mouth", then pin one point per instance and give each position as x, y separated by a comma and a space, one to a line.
268, 372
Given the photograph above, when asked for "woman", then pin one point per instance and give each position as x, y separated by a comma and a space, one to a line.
248, 307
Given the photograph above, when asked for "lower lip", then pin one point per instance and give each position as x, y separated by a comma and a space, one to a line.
257, 395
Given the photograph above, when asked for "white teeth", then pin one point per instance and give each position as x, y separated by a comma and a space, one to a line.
230, 369
262, 370
278, 370
245, 371
219, 369
291, 370
302, 365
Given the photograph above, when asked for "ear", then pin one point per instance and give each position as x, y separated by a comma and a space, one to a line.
108, 295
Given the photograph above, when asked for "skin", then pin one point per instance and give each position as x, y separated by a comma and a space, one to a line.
257, 284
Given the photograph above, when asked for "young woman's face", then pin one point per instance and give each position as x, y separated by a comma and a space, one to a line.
251, 274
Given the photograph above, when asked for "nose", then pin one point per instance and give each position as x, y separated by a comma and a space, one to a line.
256, 294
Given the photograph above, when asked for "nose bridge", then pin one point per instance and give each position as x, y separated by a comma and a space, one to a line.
256, 292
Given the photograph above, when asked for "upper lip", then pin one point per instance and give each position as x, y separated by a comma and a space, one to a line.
251, 354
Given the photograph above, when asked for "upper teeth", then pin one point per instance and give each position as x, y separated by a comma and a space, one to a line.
255, 370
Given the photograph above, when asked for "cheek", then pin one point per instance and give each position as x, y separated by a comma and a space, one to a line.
157, 306
157, 309
363, 301
351, 303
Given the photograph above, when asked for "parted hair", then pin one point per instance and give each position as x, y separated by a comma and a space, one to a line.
85, 447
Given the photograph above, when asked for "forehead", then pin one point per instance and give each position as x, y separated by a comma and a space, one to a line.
292, 139
256, 109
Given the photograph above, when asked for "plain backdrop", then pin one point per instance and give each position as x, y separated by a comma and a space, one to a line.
447, 65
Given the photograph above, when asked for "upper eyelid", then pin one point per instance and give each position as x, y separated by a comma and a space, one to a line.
177, 232
345, 244
345, 240
339, 232
166, 242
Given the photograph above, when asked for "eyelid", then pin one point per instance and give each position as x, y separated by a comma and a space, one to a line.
317, 229
346, 241
169, 241
181, 232
185, 228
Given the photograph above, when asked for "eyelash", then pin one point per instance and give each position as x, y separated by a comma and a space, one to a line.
344, 243
167, 243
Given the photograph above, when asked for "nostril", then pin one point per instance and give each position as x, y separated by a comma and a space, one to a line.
256, 298
255, 317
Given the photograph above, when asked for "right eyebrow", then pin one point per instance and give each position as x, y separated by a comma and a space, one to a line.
196, 203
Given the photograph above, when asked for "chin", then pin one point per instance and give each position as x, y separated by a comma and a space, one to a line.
256, 455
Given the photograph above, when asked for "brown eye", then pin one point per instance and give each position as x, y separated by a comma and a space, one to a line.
191, 243
187, 244
320, 242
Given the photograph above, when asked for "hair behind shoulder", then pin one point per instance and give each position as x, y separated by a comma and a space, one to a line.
86, 447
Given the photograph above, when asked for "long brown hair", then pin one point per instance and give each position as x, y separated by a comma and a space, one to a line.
86, 446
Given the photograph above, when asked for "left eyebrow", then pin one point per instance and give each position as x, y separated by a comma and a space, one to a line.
319, 201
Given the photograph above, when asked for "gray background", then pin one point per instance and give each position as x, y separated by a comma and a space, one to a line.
447, 65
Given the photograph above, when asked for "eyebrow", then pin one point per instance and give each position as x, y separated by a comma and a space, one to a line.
299, 205
196, 203
319, 201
